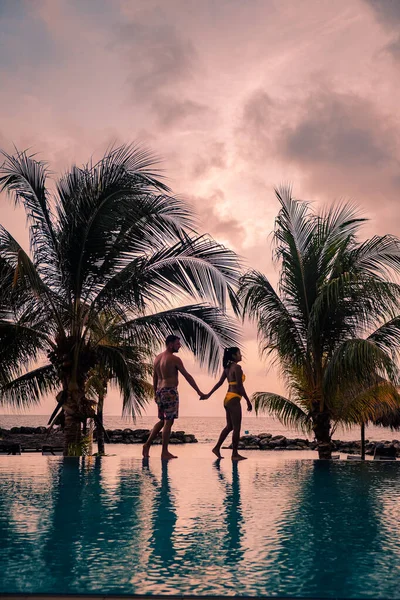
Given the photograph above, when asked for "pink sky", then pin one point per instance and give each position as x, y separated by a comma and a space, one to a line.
236, 96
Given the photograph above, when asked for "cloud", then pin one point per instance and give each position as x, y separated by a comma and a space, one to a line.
340, 129
218, 223
393, 48
174, 112
213, 157
157, 57
257, 123
387, 12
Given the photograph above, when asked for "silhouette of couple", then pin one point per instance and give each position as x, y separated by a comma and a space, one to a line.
167, 366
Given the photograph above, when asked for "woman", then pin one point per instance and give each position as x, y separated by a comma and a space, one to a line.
234, 375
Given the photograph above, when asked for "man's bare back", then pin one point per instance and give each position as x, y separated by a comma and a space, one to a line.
166, 369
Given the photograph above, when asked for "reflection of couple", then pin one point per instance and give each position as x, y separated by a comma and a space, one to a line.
164, 518
165, 382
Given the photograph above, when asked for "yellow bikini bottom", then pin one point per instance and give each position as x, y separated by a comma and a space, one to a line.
230, 395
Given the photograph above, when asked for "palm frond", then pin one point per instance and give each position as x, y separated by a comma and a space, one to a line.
387, 336
25, 178
356, 363
277, 328
107, 206
29, 389
204, 330
129, 376
378, 257
196, 268
369, 401
287, 412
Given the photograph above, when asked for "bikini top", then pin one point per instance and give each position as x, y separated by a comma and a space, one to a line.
235, 382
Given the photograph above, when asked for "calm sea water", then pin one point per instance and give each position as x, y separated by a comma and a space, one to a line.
270, 526
206, 429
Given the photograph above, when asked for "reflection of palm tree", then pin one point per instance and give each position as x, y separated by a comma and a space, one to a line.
164, 517
330, 542
59, 551
93, 529
234, 516
21, 531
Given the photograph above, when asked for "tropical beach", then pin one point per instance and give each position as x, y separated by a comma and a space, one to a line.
199, 299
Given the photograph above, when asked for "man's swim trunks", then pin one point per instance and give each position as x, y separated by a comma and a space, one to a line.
167, 399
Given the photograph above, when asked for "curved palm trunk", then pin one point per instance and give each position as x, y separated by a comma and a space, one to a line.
100, 430
322, 431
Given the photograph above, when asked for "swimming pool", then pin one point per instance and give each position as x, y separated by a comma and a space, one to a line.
270, 526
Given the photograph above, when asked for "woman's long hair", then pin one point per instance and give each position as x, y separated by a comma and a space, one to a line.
228, 356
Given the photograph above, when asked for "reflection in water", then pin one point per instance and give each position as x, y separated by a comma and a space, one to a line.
292, 528
88, 526
163, 522
332, 537
233, 518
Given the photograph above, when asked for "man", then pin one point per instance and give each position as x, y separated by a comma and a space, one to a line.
165, 382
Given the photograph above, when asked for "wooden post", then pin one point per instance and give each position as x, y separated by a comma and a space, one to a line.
362, 441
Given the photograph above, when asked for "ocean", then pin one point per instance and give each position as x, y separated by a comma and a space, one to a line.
207, 429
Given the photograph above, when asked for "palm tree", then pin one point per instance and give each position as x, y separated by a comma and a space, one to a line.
333, 326
107, 239
105, 331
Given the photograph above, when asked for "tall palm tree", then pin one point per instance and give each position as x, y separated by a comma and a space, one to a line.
107, 239
333, 326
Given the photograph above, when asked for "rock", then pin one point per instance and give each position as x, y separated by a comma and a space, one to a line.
302, 443
40, 430
175, 441
292, 447
276, 438
264, 436
264, 443
189, 439
247, 438
127, 432
251, 447
141, 432
281, 442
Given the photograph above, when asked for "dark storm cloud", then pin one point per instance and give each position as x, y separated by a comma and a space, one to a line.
341, 129
322, 127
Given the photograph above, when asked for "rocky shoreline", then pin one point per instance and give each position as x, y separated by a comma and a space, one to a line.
37, 437
266, 441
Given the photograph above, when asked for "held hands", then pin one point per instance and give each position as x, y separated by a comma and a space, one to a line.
204, 396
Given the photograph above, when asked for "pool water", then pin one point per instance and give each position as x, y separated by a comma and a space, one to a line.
269, 526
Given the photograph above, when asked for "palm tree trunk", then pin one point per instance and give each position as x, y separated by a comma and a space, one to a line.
100, 430
72, 435
72, 428
362, 441
322, 429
